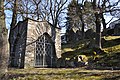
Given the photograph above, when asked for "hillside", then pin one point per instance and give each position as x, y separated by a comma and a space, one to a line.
103, 66
108, 58
60, 74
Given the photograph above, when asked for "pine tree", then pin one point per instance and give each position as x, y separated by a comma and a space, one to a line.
72, 17
78, 15
72, 23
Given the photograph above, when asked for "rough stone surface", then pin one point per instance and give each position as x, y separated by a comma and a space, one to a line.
29, 32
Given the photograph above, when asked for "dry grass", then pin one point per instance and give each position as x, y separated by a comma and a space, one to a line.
111, 37
62, 74
111, 47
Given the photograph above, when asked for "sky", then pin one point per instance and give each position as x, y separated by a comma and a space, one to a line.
9, 14
108, 18
8, 18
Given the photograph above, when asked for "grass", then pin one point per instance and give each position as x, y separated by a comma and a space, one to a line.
75, 46
112, 50
110, 59
74, 49
112, 44
61, 74
111, 37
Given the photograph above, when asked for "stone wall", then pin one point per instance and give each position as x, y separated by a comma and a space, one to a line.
23, 41
34, 30
17, 41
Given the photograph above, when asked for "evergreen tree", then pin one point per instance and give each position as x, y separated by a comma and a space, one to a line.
73, 21
80, 16
89, 17
72, 17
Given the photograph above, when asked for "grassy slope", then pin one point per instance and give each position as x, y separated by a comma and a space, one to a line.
111, 58
112, 49
62, 74
112, 44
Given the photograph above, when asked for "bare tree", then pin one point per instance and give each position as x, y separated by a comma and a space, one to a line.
37, 6
108, 7
14, 16
98, 24
14, 20
49, 10
53, 12
3, 40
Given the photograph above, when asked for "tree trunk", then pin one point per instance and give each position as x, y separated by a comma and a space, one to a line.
55, 22
3, 40
14, 16
98, 31
83, 26
12, 25
104, 24
103, 21
98, 25
14, 19
82, 20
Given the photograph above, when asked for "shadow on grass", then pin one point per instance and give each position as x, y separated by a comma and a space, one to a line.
75, 74
82, 51
16, 76
101, 75
69, 54
112, 78
27, 75
111, 43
